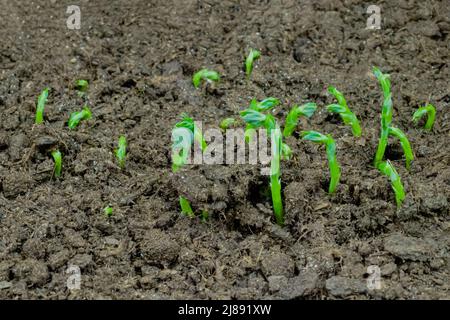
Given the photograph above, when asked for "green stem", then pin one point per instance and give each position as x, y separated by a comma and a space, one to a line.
186, 208
57, 157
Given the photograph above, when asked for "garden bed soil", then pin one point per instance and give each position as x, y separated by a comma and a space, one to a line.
139, 57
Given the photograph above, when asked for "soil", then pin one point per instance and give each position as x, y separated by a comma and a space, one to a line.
139, 57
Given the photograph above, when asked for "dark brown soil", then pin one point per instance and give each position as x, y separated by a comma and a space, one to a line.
139, 57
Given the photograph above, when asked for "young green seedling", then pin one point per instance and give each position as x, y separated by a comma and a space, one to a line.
76, 117
121, 151
226, 123
205, 75
184, 134
186, 207
81, 86
344, 111
330, 145
257, 119
386, 121
57, 158
388, 169
306, 110
42, 100
108, 211
264, 105
428, 110
252, 56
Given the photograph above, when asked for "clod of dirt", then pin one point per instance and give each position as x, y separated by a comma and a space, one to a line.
16, 183
158, 248
435, 204
81, 260
277, 263
35, 272
342, 287
305, 284
16, 145
409, 248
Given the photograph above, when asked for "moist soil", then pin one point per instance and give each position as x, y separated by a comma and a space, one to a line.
139, 57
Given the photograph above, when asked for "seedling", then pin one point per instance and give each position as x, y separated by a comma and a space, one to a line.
264, 105
81, 86
252, 56
386, 120
205, 75
306, 110
42, 100
108, 211
330, 145
188, 132
430, 111
388, 169
257, 119
76, 117
186, 207
226, 123
344, 111
57, 157
121, 151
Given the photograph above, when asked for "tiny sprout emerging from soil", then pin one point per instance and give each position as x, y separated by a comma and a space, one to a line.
121, 151
76, 117
186, 207
82, 86
344, 111
226, 123
327, 140
257, 119
108, 211
306, 110
264, 105
430, 111
252, 56
206, 75
57, 158
388, 169
42, 100
386, 120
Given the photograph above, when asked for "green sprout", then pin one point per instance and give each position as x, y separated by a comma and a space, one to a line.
430, 111
206, 75
330, 145
388, 169
252, 56
264, 105
108, 211
42, 100
257, 119
226, 123
57, 157
76, 117
184, 134
306, 110
344, 111
82, 86
186, 207
121, 151
386, 120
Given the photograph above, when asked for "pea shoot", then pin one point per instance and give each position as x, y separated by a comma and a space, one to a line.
76, 117
251, 58
121, 151
386, 120
42, 100
344, 111
388, 169
330, 146
205, 75
306, 110
57, 158
428, 110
